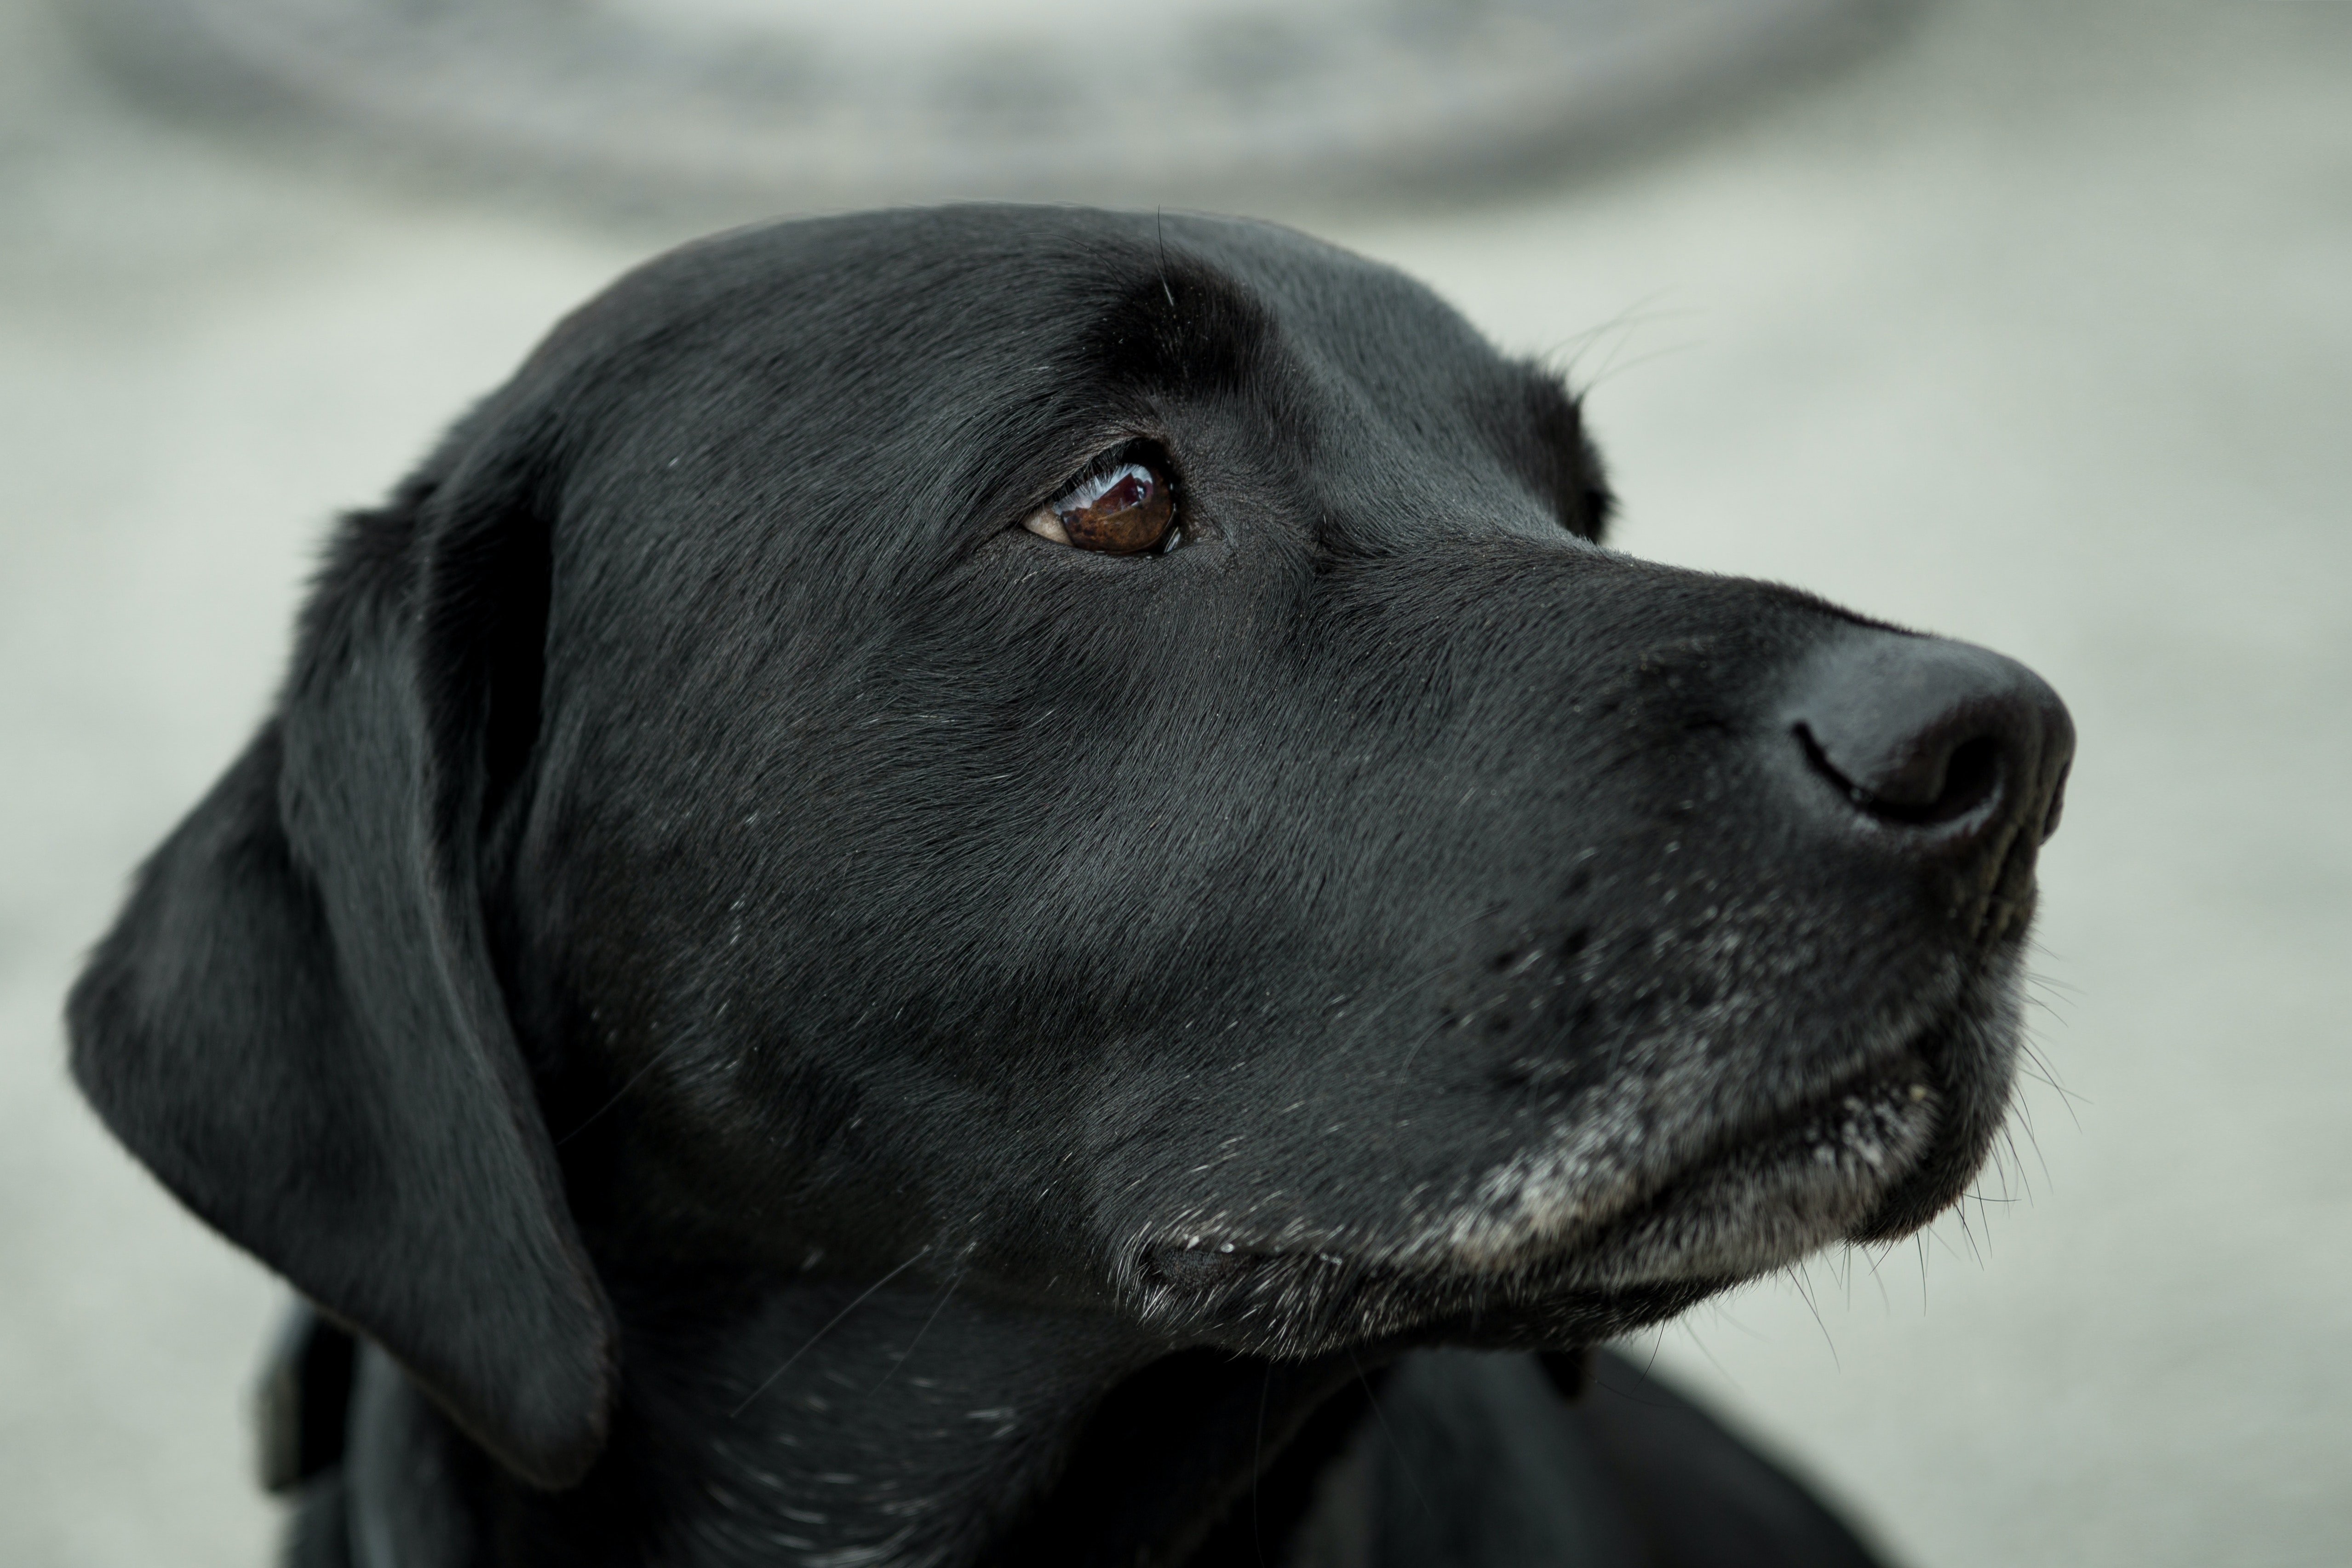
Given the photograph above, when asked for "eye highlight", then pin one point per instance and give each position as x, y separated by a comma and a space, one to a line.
1125, 509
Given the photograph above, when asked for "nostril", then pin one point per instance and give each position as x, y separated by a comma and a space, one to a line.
1938, 782
1971, 777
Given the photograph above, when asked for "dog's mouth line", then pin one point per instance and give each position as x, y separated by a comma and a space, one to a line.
1809, 1131
1827, 1139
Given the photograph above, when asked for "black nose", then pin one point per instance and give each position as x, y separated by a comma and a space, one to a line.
1950, 753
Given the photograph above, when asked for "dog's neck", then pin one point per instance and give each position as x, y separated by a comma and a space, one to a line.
828, 1425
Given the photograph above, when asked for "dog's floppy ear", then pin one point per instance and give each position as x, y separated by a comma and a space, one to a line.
296, 1022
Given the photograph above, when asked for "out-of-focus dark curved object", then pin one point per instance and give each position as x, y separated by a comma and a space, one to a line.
798, 103
1475, 1459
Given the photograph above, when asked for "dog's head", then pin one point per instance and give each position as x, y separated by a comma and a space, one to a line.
1100, 758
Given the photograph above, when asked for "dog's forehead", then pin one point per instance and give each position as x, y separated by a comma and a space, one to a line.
898, 386
923, 321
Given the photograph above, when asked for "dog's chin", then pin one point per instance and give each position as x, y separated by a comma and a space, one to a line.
1546, 1259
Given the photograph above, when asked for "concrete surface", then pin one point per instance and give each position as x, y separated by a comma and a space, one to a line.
2036, 329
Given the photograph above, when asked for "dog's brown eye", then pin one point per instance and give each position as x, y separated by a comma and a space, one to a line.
1120, 511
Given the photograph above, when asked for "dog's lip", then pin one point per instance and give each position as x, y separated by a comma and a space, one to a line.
1854, 1141
1814, 1126
1783, 1148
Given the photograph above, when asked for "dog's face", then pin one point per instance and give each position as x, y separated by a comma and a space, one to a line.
1353, 901
1104, 759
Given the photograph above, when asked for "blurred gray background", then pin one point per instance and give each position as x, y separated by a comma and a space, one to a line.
2030, 323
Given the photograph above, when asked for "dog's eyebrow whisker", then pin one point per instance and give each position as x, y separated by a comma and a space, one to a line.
1611, 369
1577, 344
831, 1323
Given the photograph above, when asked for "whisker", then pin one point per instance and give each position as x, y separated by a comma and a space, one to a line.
830, 1325
1566, 354
1374, 1397
1610, 370
621, 1093
1802, 1277
1688, 1328
954, 1280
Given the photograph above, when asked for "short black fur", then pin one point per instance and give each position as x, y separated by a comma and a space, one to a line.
796, 1021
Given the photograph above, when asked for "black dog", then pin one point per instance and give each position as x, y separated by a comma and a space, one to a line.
956, 875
